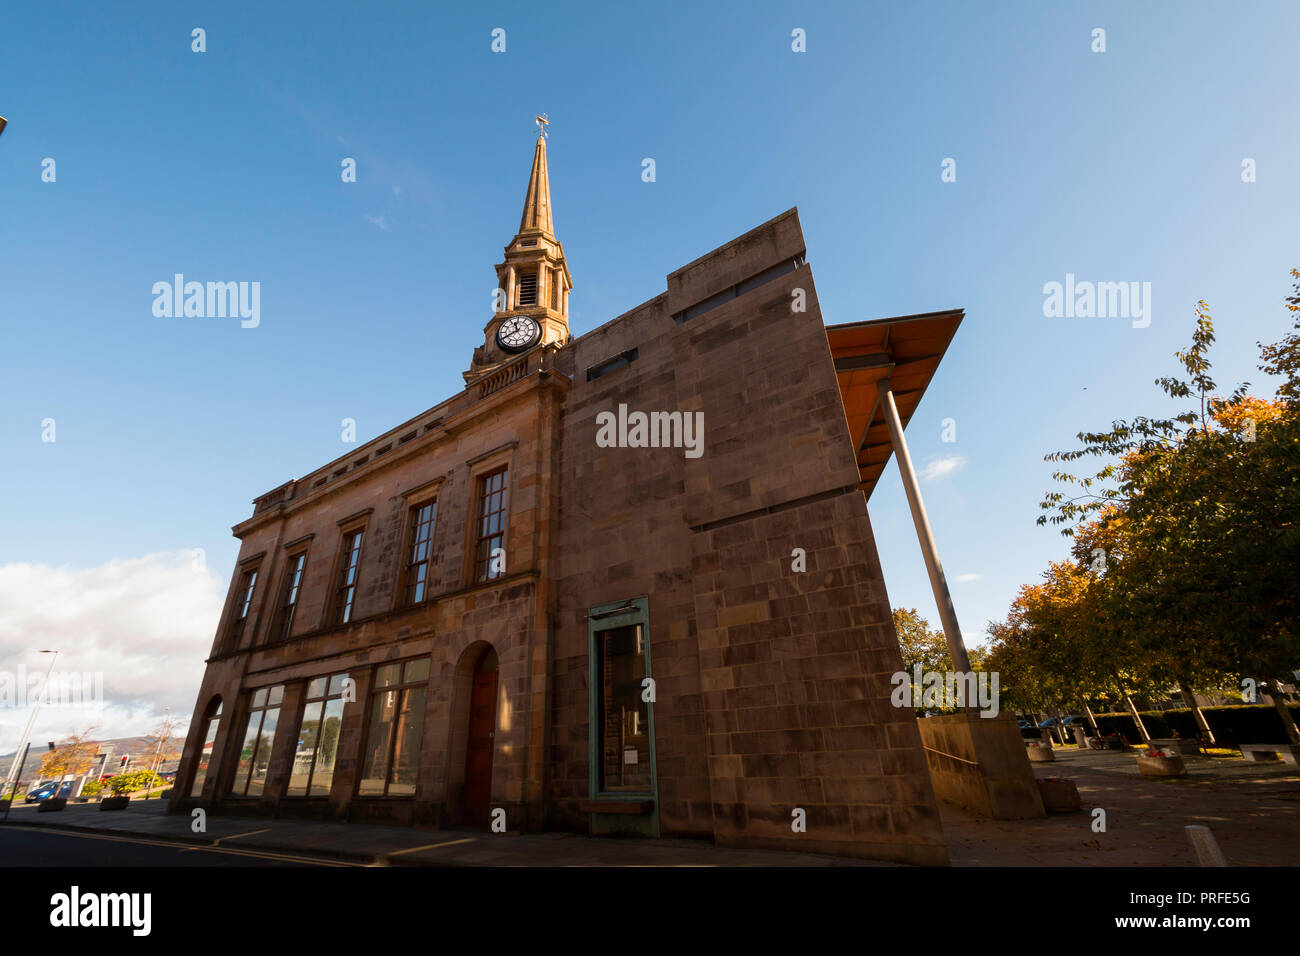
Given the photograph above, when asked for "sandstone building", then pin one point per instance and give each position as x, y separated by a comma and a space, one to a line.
620, 582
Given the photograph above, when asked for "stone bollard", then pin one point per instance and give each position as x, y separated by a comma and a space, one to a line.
1059, 795
1205, 846
1080, 738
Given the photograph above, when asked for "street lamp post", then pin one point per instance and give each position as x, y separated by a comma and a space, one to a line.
164, 732
16, 769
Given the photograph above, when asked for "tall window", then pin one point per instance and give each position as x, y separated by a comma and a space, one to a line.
489, 552
205, 751
243, 601
528, 288
345, 590
620, 718
318, 737
259, 735
392, 755
289, 602
419, 552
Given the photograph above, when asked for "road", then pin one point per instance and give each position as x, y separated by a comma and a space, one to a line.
35, 846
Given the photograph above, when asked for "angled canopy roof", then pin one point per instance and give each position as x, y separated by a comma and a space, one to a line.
907, 349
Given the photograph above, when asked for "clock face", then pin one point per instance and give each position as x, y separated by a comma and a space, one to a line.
518, 333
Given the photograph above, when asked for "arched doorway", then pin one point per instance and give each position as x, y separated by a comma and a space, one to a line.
481, 741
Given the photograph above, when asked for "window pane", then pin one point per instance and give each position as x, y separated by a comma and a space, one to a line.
416, 670
262, 760
336, 684
417, 561
387, 675
347, 583
308, 735
247, 752
316, 688
378, 741
277, 695
624, 727
331, 727
259, 697
491, 526
406, 758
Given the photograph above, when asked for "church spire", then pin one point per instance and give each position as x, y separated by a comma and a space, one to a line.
537, 201
531, 305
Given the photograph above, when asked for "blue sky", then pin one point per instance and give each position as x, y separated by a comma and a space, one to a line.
1115, 166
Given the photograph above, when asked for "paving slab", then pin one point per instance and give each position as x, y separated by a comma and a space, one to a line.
1253, 810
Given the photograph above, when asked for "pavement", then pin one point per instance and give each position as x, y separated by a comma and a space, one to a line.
375, 845
1253, 810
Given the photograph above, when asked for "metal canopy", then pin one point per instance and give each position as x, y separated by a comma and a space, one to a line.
907, 350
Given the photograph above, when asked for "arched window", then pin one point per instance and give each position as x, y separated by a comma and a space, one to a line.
212, 721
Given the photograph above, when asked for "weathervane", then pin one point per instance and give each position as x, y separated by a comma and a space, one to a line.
542, 122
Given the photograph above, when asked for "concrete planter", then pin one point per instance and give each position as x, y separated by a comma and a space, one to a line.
1165, 765
52, 804
1039, 751
114, 803
1059, 796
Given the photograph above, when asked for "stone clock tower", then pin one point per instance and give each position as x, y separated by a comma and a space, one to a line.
532, 306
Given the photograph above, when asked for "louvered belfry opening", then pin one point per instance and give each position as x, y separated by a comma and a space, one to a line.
528, 289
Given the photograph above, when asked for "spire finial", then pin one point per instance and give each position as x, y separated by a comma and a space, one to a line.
537, 201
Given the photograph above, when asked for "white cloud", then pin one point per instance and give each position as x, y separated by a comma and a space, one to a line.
138, 627
966, 578
942, 467
379, 221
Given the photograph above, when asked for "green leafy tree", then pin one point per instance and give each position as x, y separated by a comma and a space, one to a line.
919, 643
1195, 517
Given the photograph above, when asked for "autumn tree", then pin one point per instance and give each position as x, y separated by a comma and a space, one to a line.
1196, 519
73, 757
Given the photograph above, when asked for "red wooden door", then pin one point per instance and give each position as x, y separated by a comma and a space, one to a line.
478, 752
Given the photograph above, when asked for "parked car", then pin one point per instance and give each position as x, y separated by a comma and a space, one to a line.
45, 791
1067, 725
1028, 730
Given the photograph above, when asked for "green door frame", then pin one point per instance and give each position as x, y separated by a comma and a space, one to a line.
604, 617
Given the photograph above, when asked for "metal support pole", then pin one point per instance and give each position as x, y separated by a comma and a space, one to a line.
947, 615
22, 762
31, 719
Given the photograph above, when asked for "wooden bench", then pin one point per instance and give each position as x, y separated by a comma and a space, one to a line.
1288, 752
